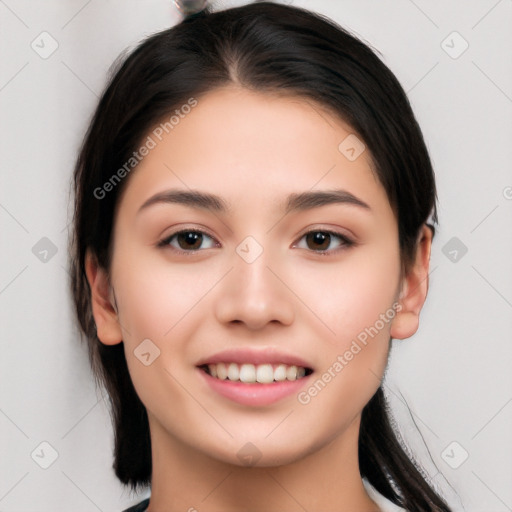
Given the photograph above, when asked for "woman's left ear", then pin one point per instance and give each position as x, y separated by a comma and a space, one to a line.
414, 288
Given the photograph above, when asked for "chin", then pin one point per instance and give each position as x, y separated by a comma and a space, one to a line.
262, 453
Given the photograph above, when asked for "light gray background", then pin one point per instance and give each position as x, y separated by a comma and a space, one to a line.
455, 373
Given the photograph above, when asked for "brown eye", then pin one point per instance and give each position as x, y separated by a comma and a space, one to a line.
324, 241
189, 241
318, 240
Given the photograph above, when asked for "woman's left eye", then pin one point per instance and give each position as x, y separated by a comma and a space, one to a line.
189, 241
324, 241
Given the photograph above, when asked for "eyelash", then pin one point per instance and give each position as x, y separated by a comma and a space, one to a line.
346, 242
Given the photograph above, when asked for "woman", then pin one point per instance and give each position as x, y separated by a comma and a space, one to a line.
253, 223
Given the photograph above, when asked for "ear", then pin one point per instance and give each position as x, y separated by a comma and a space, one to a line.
414, 288
103, 310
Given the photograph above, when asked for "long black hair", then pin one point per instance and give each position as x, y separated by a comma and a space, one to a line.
263, 47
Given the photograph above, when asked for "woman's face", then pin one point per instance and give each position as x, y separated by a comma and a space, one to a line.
288, 257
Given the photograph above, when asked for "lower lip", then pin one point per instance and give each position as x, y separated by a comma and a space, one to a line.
254, 394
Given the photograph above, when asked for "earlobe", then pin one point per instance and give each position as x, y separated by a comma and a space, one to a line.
414, 288
103, 305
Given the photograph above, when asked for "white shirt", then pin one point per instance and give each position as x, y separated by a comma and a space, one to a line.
384, 504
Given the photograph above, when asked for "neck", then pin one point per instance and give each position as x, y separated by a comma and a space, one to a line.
186, 479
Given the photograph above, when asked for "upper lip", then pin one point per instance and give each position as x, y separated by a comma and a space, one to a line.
252, 356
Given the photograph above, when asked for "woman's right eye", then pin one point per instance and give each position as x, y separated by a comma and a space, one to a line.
188, 241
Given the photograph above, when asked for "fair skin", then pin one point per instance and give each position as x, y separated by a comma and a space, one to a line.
254, 150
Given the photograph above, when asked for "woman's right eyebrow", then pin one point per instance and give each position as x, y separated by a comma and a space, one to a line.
192, 198
295, 201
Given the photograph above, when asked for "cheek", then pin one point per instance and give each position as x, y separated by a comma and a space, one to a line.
160, 302
357, 304
156, 306
155, 295
351, 295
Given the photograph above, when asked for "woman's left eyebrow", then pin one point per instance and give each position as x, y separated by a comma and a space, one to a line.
308, 200
295, 201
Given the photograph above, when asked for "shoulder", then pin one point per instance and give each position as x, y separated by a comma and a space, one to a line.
140, 507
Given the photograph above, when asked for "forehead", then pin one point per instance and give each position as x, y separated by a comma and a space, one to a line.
247, 121
244, 144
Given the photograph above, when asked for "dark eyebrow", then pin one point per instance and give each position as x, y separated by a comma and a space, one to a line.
308, 200
190, 198
295, 202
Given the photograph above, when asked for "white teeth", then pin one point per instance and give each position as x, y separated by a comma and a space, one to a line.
250, 373
247, 373
265, 373
291, 372
233, 372
222, 372
280, 373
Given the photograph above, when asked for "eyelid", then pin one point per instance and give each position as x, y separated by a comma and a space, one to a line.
197, 228
325, 228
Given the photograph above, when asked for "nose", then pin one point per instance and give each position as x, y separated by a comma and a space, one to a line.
254, 294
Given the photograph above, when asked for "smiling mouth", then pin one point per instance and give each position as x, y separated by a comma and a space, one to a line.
261, 373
